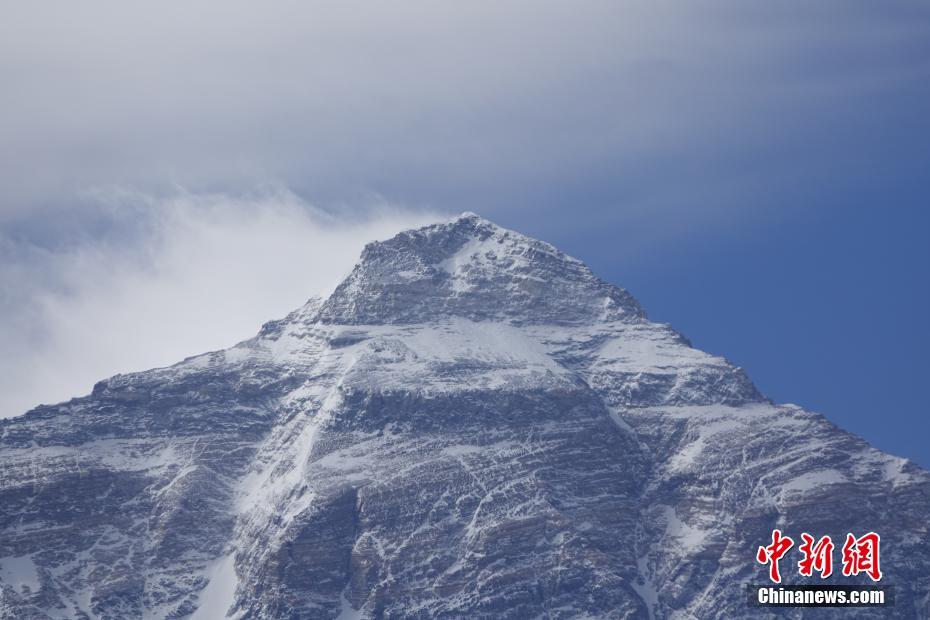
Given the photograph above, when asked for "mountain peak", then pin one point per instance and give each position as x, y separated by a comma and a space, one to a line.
471, 267
467, 224
585, 463
469, 215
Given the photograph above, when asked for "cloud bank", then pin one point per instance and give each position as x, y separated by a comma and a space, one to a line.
198, 273
623, 127
636, 111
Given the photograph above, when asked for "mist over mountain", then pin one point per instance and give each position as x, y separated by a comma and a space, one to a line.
473, 424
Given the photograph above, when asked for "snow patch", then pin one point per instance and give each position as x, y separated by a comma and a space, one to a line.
646, 590
815, 479
20, 572
346, 611
690, 538
219, 594
620, 422
893, 470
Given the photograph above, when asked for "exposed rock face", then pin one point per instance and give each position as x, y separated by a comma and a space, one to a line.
472, 425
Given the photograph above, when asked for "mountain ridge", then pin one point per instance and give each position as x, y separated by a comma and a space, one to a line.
471, 424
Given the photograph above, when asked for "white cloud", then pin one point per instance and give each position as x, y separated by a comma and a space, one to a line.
204, 272
629, 124
499, 104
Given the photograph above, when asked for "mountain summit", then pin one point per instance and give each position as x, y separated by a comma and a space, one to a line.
473, 425
473, 269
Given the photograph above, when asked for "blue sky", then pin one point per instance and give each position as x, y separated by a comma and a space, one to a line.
826, 308
755, 173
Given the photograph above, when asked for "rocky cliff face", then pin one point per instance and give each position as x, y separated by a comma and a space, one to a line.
472, 425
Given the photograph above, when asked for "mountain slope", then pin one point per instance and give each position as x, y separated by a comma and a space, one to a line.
472, 425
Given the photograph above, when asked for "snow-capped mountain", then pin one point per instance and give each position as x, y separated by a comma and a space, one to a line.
473, 425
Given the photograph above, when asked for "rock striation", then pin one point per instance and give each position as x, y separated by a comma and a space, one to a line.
473, 425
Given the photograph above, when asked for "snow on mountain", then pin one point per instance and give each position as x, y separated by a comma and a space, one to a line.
472, 425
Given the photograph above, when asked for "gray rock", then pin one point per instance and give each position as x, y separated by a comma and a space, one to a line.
472, 425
